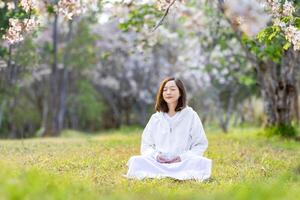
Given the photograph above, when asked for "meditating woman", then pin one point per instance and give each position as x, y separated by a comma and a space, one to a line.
173, 141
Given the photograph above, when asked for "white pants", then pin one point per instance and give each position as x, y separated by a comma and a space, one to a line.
196, 167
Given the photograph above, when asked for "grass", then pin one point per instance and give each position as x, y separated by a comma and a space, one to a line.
79, 166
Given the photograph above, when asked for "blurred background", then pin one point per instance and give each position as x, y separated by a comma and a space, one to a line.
101, 69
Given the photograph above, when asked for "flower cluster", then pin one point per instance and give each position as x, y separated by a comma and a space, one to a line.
164, 4
18, 27
71, 8
247, 15
292, 34
28, 5
251, 16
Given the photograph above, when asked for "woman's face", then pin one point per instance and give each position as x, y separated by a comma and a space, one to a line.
171, 92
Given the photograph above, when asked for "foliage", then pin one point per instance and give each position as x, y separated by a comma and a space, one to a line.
87, 105
6, 14
282, 130
270, 44
139, 16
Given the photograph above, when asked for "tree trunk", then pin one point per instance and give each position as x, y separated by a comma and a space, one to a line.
278, 83
141, 112
114, 105
52, 124
2, 105
64, 74
225, 110
279, 89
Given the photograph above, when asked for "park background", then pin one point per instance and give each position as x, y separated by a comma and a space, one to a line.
78, 81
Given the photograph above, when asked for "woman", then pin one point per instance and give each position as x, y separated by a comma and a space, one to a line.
173, 141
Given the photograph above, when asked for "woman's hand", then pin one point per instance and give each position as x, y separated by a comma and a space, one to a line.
176, 159
161, 159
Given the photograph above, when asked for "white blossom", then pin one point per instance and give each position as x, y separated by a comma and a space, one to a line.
71, 8
2, 4
17, 27
288, 8
10, 5
292, 34
28, 5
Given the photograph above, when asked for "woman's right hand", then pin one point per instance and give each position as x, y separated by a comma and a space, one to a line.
161, 159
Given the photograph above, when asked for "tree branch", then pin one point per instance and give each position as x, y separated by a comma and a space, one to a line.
164, 16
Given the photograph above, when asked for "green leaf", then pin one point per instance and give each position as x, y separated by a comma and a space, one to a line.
247, 80
297, 22
287, 46
275, 30
286, 19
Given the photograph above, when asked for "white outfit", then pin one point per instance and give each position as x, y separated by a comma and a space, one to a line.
181, 135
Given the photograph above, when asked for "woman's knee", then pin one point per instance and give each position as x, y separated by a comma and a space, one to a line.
136, 159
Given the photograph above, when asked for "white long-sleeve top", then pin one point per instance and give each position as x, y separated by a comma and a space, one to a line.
182, 134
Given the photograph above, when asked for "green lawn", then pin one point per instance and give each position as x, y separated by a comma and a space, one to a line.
75, 166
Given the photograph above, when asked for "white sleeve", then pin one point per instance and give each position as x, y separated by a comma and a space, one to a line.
199, 141
148, 145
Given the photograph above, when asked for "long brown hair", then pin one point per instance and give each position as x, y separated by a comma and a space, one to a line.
161, 104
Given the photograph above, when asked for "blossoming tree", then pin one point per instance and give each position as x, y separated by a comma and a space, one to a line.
268, 31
